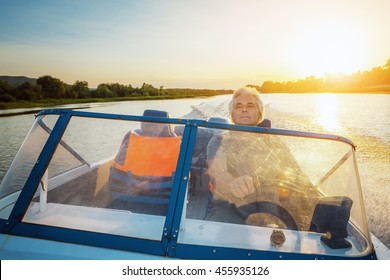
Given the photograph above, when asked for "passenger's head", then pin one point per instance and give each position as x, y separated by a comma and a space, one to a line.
246, 107
155, 129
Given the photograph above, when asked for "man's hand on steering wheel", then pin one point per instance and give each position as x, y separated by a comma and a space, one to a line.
242, 186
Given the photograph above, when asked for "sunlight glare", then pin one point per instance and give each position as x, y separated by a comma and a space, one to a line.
327, 108
328, 49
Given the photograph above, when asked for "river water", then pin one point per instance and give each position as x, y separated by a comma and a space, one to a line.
362, 118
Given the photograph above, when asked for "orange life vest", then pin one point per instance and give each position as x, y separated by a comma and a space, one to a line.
151, 156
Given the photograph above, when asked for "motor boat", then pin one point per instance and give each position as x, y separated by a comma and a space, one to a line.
88, 185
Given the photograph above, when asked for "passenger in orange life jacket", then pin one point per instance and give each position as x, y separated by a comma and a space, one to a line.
141, 176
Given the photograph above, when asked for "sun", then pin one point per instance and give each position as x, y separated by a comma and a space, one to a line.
328, 49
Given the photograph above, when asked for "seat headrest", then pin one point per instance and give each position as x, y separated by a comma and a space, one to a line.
265, 123
156, 113
157, 129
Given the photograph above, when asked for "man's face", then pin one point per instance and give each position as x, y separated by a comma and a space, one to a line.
245, 111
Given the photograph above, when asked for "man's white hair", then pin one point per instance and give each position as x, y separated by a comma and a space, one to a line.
253, 92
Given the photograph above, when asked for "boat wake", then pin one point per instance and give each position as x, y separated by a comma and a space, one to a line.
212, 108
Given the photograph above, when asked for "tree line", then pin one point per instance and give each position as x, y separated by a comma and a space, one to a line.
377, 79
48, 87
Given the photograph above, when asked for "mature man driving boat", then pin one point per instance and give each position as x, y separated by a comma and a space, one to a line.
245, 166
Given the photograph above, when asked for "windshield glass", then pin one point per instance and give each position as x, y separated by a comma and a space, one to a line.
27, 155
274, 192
109, 176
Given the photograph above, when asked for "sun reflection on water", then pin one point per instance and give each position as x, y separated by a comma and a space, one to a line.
328, 112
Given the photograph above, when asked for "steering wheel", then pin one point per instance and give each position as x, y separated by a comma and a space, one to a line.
260, 204
270, 208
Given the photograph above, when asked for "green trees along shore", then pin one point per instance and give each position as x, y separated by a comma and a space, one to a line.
24, 92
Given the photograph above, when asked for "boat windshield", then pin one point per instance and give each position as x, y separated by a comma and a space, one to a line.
293, 194
259, 189
27, 155
109, 176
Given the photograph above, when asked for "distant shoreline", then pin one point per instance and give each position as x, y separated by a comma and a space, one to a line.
58, 102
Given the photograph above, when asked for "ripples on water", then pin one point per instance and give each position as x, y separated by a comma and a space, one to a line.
364, 119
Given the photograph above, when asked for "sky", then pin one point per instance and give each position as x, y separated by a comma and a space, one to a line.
216, 44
